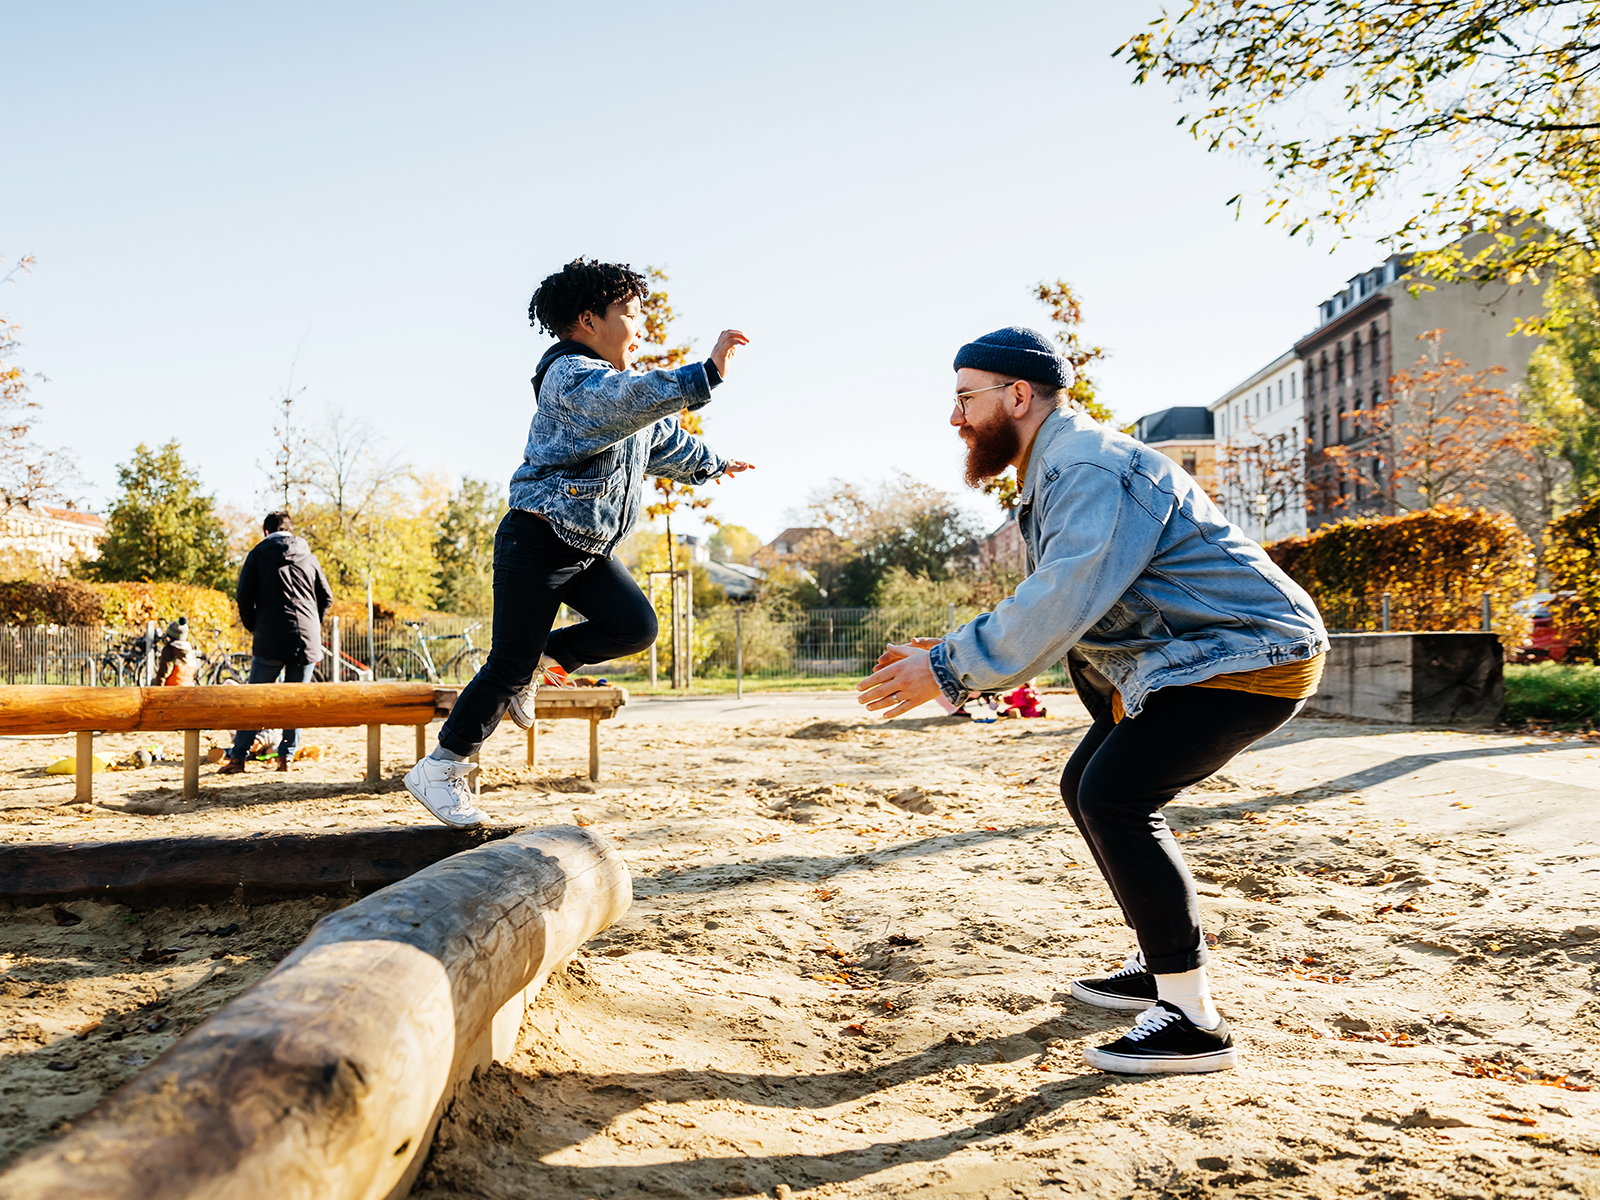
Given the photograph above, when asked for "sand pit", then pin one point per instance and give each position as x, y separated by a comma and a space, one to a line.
844, 973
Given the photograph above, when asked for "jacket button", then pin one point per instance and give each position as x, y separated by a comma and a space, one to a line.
573, 490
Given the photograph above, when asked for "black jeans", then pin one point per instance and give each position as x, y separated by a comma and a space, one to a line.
535, 573
1121, 775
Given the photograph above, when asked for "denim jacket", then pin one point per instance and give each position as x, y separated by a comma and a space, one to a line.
597, 432
1134, 566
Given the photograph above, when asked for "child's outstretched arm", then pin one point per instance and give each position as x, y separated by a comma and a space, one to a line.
678, 454
599, 401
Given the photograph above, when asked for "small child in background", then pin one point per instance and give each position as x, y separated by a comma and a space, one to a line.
1024, 702
178, 665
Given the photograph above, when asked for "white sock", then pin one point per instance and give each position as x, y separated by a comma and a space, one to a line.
444, 755
1190, 991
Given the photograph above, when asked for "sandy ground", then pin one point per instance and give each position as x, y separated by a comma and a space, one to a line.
845, 970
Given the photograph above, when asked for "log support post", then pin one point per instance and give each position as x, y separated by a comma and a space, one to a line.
85, 766
533, 744
191, 764
374, 752
422, 742
594, 748
329, 1076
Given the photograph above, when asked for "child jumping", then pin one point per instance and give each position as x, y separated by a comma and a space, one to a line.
598, 429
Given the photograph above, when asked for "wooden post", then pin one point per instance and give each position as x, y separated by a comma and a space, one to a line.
533, 744
422, 742
85, 772
335, 674
191, 764
688, 629
374, 752
652, 580
329, 1076
594, 749
738, 652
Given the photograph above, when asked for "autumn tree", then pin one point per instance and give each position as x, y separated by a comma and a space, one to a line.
1450, 435
1449, 114
671, 494
464, 548
1563, 389
1066, 311
734, 543
162, 528
28, 471
1251, 464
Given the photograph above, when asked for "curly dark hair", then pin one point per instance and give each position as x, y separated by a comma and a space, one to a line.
581, 286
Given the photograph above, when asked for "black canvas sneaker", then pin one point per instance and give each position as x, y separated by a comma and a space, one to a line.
1131, 989
1164, 1041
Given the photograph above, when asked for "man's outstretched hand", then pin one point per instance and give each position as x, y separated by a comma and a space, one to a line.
733, 469
906, 682
728, 341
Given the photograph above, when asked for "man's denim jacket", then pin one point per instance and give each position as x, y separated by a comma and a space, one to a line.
1132, 564
596, 434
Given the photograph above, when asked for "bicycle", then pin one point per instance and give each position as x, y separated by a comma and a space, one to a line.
222, 665
124, 663
405, 664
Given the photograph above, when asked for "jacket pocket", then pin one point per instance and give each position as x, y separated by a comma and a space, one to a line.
584, 489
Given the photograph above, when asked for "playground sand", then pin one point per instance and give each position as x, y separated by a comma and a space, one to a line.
846, 966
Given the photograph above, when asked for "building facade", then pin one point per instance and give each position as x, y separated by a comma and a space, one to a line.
1185, 435
1260, 450
53, 538
1365, 333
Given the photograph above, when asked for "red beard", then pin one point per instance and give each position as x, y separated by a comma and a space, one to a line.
990, 449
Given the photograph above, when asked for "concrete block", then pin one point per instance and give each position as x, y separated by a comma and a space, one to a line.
1414, 678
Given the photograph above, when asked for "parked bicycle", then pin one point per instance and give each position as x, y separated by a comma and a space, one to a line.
221, 664
404, 663
124, 661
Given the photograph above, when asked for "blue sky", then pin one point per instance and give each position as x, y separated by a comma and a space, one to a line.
860, 187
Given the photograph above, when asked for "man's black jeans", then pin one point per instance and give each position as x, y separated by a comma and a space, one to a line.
1121, 775
535, 573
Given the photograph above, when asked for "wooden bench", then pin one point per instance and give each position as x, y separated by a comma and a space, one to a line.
86, 711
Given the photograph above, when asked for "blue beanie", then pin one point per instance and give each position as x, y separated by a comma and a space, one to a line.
1018, 352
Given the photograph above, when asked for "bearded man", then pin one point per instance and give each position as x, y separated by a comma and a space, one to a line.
1185, 642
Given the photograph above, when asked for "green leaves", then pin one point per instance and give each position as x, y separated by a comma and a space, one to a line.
162, 528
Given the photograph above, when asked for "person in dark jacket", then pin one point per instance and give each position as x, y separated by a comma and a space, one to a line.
282, 595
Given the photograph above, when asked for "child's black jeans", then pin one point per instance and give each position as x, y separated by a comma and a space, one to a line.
535, 573
1121, 775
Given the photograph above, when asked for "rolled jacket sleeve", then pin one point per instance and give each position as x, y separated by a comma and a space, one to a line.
1085, 565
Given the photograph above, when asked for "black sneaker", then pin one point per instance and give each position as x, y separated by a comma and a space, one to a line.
1164, 1041
1132, 989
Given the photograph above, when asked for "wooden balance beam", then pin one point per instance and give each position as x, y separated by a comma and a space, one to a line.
90, 710
328, 1077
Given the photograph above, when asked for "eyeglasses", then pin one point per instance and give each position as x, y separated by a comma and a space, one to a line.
963, 397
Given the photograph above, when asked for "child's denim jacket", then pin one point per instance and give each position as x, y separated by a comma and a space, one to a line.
1132, 564
597, 432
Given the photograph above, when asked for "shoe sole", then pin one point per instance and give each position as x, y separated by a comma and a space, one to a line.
1109, 999
1188, 1064
437, 816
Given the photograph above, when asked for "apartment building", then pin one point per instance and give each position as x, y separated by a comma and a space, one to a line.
53, 538
1185, 435
1366, 332
1260, 451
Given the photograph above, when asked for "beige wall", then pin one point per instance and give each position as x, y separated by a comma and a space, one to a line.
1205, 460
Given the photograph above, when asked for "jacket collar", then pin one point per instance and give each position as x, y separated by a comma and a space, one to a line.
561, 350
1057, 424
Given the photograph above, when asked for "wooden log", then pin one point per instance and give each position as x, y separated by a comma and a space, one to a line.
422, 742
327, 1078
594, 748
533, 744
28, 709
254, 868
259, 706
286, 706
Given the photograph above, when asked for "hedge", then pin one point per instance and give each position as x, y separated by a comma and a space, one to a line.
1436, 566
1572, 558
117, 605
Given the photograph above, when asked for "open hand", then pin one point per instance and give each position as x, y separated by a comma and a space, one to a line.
892, 653
733, 469
907, 682
728, 341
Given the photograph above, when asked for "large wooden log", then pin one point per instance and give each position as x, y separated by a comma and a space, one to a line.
254, 868
259, 706
326, 1079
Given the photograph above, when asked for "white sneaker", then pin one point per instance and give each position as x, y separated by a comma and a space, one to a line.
441, 787
521, 709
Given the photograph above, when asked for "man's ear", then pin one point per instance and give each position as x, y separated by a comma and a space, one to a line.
1024, 399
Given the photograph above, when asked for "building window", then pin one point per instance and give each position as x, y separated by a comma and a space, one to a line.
1355, 353
1338, 359
1376, 396
1373, 342
1341, 421
1189, 463
1294, 382
1326, 426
